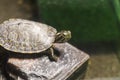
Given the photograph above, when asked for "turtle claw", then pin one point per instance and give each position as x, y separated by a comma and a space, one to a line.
54, 58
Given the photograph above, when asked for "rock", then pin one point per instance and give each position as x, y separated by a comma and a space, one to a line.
42, 68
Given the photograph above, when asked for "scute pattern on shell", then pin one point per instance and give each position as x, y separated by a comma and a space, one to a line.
26, 36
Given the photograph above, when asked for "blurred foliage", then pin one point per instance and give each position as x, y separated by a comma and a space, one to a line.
88, 20
116, 4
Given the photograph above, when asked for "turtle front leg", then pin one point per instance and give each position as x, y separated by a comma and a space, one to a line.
52, 55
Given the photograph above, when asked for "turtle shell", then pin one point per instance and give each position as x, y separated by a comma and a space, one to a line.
24, 36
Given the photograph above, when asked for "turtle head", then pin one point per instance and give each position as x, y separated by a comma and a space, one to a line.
63, 36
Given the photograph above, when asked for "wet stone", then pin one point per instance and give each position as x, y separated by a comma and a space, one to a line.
42, 68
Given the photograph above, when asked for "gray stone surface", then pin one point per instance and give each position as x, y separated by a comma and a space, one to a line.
42, 68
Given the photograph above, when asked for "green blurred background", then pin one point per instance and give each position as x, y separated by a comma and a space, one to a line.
88, 20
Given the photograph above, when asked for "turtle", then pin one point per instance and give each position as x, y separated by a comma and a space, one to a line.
29, 37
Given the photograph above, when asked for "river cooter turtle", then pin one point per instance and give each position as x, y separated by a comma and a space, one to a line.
29, 37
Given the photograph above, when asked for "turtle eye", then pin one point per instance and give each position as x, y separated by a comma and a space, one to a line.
65, 33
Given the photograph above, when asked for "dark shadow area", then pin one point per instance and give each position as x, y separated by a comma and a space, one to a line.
12, 69
3, 66
11, 54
